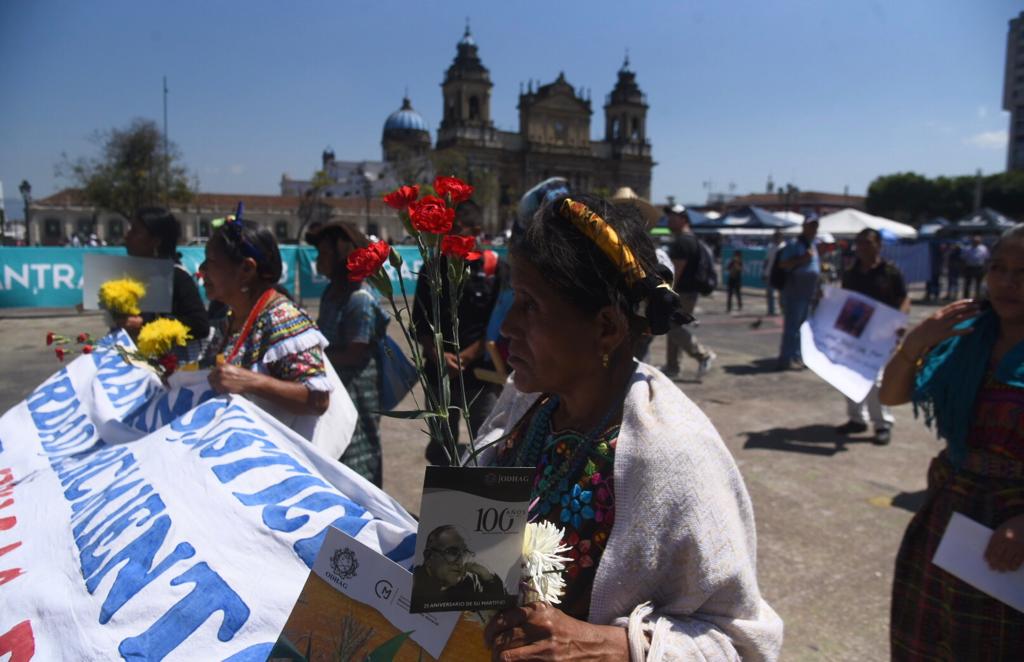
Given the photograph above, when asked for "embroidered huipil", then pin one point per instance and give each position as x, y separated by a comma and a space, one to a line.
573, 488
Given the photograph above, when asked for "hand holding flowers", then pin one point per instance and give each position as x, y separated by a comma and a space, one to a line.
429, 219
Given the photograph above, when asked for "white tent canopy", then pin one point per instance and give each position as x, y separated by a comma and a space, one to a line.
848, 222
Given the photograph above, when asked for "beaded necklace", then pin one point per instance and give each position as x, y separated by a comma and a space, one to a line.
540, 439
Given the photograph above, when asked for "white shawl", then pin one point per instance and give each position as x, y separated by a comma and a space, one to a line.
680, 567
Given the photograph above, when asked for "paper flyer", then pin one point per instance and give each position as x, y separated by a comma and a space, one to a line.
470, 538
355, 606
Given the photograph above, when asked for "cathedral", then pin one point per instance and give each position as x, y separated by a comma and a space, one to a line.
554, 139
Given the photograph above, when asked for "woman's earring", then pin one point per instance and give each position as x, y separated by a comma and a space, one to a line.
604, 360
245, 288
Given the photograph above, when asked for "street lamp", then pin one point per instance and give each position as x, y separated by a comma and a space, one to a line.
26, 194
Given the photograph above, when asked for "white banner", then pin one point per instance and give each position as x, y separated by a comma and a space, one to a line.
848, 340
145, 523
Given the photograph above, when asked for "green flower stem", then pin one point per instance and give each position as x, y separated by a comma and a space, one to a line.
456, 278
432, 256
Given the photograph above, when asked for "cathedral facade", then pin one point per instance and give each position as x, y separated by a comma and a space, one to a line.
554, 139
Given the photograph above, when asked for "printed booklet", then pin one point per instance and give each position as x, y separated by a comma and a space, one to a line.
470, 539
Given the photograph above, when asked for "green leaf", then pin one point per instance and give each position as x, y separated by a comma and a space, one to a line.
410, 414
387, 651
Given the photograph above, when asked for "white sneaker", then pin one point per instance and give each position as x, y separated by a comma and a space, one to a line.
705, 365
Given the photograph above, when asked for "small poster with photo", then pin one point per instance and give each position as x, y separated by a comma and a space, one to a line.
470, 538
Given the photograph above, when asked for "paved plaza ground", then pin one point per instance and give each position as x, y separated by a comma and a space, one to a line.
830, 512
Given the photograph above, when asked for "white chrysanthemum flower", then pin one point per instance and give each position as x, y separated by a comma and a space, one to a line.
543, 563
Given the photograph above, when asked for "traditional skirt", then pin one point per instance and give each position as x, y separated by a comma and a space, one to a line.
936, 616
363, 454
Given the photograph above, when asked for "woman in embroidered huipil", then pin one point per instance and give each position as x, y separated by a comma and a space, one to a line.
656, 563
267, 347
354, 324
964, 368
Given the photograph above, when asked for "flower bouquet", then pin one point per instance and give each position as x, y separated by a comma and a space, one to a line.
429, 220
457, 523
120, 298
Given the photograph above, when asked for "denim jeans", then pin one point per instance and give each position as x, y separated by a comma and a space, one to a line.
794, 311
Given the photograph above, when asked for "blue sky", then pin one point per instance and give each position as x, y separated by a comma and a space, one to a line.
821, 94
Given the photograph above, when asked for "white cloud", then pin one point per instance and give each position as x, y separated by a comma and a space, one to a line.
988, 140
939, 127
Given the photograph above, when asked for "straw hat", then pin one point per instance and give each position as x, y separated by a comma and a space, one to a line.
626, 195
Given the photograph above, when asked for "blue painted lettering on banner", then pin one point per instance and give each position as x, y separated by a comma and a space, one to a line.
139, 570
254, 653
102, 483
221, 442
199, 417
209, 596
228, 472
74, 479
159, 411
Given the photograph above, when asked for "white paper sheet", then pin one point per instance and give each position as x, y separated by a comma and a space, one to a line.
849, 339
961, 553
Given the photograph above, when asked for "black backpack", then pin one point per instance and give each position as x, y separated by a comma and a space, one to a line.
705, 278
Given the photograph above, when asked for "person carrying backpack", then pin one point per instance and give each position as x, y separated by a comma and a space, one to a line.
694, 276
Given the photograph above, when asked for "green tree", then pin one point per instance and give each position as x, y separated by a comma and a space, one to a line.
132, 171
913, 198
1005, 193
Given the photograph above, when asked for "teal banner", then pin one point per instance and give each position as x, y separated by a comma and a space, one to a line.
753, 265
52, 277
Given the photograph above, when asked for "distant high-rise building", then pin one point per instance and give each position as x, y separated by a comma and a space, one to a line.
1013, 93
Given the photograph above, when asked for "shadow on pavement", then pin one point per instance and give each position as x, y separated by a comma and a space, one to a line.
757, 366
809, 439
910, 501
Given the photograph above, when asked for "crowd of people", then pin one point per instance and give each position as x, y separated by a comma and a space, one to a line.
571, 309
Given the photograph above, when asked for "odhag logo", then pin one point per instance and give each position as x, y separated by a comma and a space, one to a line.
344, 563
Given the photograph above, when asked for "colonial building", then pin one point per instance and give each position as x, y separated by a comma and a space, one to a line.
54, 220
554, 139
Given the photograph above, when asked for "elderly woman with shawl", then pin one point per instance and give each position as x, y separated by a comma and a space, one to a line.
655, 513
964, 368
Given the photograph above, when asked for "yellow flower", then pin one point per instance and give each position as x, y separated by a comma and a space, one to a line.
121, 297
158, 337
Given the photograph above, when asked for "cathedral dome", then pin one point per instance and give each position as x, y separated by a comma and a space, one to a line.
404, 119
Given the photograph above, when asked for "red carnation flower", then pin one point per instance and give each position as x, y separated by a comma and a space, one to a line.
456, 189
460, 247
82, 337
60, 353
365, 262
169, 363
431, 214
49, 338
402, 197
87, 349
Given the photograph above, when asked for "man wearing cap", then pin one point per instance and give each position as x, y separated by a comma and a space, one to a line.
799, 259
685, 253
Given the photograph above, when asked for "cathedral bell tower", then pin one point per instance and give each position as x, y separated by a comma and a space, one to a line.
467, 95
625, 111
